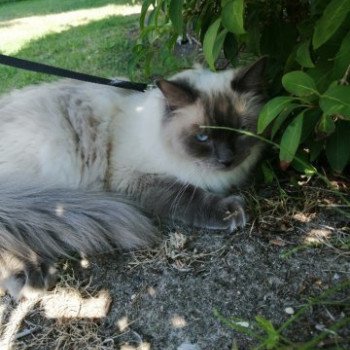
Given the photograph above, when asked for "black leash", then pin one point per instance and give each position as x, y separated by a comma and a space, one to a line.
65, 73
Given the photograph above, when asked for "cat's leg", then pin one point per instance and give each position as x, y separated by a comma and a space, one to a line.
35, 280
26, 279
12, 276
168, 198
41, 276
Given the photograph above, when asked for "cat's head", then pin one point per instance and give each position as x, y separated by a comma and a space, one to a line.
198, 97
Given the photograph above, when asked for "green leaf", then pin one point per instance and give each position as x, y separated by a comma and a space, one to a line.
316, 147
326, 126
271, 110
322, 74
302, 164
175, 14
303, 55
218, 44
299, 83
209, 42
145, 6
342, 59
268, 172
311, 118
336, 100
282, 117
338, 146
291, 138
332, 17
151, 19
232, 16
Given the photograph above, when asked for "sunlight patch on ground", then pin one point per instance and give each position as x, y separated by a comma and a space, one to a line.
14, 34
143, 346
62, 304
123, 324
178, 321
302, 217
70, 304
317, 236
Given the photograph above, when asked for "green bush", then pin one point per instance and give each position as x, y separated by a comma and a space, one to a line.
308, 43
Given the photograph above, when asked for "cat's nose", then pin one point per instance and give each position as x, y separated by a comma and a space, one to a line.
224, 154
226, 162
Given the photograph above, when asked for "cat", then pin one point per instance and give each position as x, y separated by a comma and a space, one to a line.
83, 167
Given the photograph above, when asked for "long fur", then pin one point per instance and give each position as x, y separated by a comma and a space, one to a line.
58, 222
70, 147
39, 226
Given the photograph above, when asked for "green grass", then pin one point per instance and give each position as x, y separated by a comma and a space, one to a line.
101, 47
26, 8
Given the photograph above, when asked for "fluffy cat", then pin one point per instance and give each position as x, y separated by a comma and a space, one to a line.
83, 165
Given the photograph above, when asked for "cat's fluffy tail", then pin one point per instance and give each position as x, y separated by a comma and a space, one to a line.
58, 222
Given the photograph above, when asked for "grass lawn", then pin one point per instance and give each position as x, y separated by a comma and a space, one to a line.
93, 41
25, 8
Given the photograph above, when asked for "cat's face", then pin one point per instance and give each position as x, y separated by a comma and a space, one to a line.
200, 98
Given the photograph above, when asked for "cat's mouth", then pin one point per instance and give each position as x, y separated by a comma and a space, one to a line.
234, 162
220, 165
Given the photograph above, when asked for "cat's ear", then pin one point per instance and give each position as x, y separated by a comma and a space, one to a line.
250, 78
176, 94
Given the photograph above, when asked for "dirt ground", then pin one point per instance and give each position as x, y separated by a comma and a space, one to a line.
183, 293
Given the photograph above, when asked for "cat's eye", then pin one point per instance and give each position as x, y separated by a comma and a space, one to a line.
202, 137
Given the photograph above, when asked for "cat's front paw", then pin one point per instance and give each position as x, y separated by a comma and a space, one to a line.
30, 283
233, 213
226, 214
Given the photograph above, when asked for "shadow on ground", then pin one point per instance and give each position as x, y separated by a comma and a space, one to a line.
166, 297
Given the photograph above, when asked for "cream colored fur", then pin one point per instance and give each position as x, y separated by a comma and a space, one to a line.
120, 135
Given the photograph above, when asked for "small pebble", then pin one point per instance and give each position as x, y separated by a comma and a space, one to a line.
320, 327
289, 310
336, 276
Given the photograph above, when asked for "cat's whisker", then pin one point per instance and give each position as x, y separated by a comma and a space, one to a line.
177, 200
